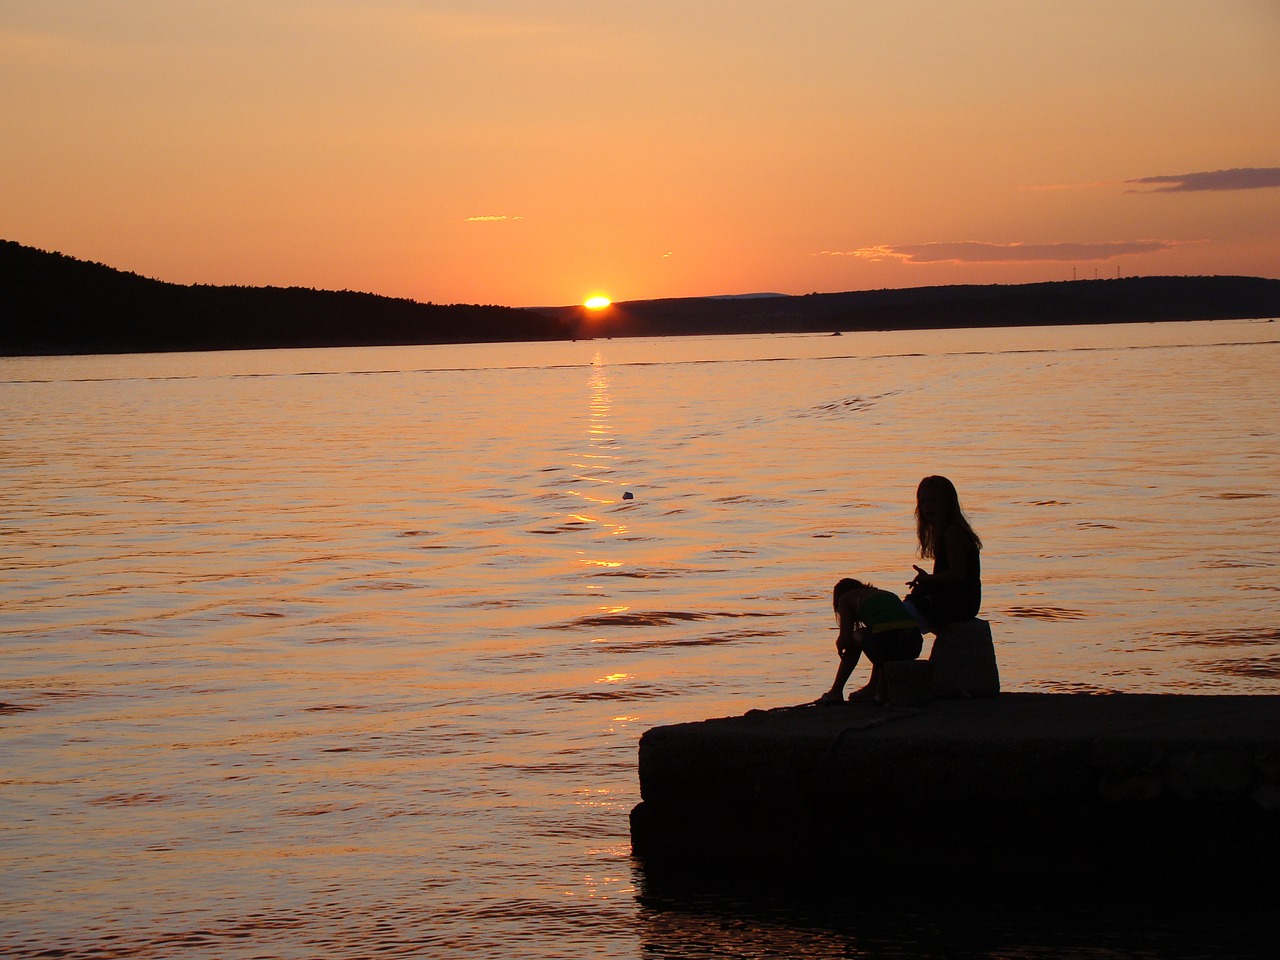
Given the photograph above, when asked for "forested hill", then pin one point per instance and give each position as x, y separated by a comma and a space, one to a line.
56, 304
1127, 300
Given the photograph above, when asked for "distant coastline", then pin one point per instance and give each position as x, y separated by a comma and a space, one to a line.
55, 304
1125, 300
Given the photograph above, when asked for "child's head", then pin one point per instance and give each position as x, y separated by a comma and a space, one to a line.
937, 508
843, 587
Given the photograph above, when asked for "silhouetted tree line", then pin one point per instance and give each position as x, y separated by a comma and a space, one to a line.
1126, 300
56, 304
1122, 300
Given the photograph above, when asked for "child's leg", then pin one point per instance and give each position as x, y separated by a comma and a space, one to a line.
872, 687
919, 610
880, 686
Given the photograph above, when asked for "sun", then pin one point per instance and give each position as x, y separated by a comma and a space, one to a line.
597, 302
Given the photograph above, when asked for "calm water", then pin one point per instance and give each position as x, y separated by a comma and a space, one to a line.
346, 653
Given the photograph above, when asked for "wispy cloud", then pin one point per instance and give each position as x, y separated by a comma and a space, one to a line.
56, 50
1238, 178
407, 21
491, 219
973, 251
1072, 186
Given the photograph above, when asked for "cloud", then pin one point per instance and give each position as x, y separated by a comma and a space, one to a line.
973, 251
1238, 178
491, 219
407, 22
54, 50
1071, 186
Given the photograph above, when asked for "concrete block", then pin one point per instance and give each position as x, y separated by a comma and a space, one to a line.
1070, 788
964, 661
908, 683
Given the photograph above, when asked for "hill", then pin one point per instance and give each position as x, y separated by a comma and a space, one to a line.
55, 304
1126, 300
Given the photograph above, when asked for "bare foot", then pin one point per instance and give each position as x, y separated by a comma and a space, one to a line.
866, 693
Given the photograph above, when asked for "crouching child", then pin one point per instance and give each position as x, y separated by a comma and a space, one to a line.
873, 622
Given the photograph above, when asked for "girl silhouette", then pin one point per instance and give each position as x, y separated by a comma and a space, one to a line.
953, 590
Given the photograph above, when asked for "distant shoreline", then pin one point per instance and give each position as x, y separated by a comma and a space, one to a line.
55, 305
1124, 300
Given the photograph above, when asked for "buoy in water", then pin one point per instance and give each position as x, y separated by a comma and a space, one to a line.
628, 495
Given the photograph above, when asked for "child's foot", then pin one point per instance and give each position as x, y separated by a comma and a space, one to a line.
866, 693
831, 696
882, 693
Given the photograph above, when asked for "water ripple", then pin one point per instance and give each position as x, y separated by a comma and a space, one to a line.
1045, 612
663, 618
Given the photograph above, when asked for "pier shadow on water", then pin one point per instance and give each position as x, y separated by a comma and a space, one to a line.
714, 915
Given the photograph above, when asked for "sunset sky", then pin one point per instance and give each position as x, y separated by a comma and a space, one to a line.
536, 152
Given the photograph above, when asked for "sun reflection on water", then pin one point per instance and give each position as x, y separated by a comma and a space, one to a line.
596, 465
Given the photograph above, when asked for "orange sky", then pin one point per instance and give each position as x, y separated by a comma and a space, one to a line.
533, 152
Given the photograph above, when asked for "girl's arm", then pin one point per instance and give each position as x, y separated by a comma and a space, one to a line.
849, 635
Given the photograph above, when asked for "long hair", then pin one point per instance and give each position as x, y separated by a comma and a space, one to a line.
930, 534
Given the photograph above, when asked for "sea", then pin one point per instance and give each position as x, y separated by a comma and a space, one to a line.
345, 653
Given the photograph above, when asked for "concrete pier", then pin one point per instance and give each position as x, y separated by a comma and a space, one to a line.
1091, 786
